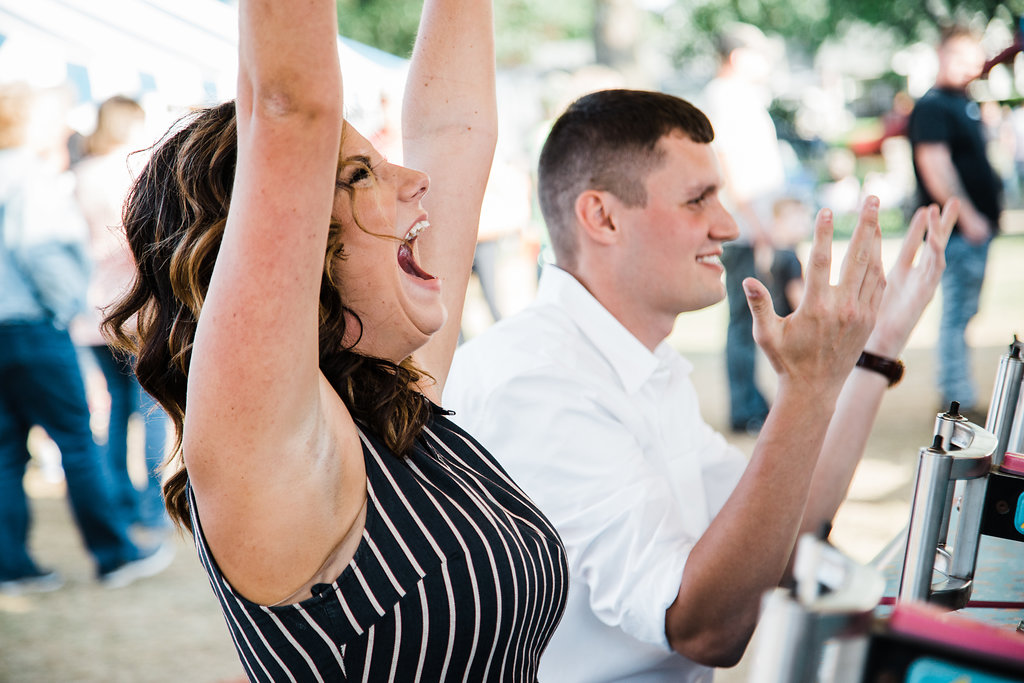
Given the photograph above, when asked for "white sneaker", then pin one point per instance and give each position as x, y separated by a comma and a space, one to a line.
149, 565
41, 583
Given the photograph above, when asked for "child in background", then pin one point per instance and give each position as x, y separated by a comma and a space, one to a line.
791, 223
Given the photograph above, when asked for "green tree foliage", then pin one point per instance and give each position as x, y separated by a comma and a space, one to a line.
524, 24
809, 23
687, 25
390, 25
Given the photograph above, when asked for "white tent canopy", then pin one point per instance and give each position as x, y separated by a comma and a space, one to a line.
170, 54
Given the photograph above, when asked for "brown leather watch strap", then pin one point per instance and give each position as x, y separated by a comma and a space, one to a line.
889, 367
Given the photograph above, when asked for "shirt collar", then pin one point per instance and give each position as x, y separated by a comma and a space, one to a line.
631, 360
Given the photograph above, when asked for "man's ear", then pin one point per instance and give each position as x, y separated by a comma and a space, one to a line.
593, 214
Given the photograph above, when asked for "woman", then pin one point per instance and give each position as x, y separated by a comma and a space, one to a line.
300, 341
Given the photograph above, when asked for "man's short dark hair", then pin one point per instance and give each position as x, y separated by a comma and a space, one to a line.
608, 141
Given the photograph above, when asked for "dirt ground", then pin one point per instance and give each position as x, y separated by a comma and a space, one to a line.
169, 628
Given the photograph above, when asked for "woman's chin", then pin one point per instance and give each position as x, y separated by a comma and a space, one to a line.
399, 343
430, 323
424, 307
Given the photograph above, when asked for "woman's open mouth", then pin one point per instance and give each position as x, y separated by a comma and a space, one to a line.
406, 258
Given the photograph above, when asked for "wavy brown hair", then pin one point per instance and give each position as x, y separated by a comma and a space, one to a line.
174, 220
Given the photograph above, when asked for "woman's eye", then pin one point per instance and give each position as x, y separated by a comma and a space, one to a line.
359, 172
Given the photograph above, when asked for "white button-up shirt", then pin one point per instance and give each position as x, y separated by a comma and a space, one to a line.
608, 440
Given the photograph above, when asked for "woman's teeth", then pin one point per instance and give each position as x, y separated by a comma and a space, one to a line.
710, 258
415, 230
406, 259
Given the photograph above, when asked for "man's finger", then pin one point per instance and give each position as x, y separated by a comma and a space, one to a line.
865, 247
759, 300
819, 261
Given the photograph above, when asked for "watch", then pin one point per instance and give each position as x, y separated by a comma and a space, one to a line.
889, 367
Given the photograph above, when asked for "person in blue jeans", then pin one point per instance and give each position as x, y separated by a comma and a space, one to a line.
43, 270
41, 384
748, 407
144, 506
950, 160
961, 293
754, 176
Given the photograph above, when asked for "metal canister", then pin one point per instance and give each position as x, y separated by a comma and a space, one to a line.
1006, 409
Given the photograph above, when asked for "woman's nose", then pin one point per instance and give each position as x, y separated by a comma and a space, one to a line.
414, 184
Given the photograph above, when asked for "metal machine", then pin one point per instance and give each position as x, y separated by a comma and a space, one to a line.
830, 626
969, 483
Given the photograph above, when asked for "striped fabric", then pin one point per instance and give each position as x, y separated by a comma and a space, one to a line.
458, 577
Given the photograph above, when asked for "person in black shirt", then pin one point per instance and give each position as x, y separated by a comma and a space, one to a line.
949, 146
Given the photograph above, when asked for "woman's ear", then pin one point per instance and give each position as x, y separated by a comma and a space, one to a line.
594, 215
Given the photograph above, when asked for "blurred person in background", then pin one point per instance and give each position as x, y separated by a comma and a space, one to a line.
950, 160
792, 223
842, 191
102, 178
753, 177
1016, 117
43, 278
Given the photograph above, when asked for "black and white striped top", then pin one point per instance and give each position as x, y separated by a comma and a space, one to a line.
458, 577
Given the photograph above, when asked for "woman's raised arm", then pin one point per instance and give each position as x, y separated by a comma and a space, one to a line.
255, 439
449, 128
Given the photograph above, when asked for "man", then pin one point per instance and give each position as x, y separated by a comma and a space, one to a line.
949, 145
747, 148
43, 277
671, 536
